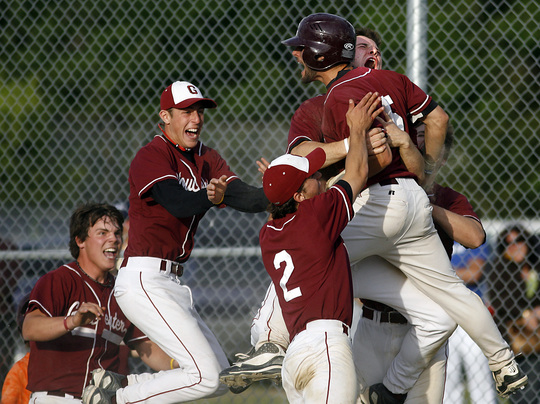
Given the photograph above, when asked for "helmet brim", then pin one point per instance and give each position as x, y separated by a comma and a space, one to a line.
294, 41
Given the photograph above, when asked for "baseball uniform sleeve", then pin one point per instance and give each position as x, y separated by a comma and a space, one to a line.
306, 123
49, 294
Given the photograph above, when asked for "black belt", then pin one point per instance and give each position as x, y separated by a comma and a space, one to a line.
392, 317
388, 181
176, 267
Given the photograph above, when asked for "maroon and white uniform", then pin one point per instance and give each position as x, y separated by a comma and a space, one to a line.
393, 221
305, 256
64, 365
149, 288
154, 232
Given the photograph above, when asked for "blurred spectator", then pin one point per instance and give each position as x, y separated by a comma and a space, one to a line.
14, 389
466, 365
515, 296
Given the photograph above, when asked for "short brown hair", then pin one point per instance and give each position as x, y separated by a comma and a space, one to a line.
371, 34
84, 217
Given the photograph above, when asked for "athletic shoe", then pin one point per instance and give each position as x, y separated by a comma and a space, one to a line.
510, 379
261, 364
96, 395
379, 394
107, 380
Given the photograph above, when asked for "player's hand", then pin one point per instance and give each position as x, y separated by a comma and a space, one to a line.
262, 165
360, 116
86, 314
377, 141
396, 136
216, 189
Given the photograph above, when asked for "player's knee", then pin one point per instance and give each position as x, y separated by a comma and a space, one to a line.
210, 383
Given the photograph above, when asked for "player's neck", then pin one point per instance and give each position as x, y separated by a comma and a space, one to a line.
98, 276
328, 75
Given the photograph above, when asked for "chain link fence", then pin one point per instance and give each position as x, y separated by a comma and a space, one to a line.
80, 92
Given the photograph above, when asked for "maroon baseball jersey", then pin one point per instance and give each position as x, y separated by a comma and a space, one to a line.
408, 103
65, 364
308, 262
306, 123
153, 231
455, 202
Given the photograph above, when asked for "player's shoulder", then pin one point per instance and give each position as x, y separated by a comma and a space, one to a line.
65, 274
311, 103
68, 270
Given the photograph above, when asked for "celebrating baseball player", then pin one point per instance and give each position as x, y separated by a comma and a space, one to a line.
174, 180
268, 332
318, 366
73, 321
432, 324
393, 214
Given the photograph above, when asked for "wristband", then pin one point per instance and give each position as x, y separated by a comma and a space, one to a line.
346, 143
220, 202
65, 323
172, 362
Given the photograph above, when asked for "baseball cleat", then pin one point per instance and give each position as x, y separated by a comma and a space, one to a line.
379, 394
96, 395
261, 364
107, 380
510, 379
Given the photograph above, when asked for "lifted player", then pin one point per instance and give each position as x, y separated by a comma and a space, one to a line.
393, 215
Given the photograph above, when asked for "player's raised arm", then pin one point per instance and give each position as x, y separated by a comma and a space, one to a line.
360, 118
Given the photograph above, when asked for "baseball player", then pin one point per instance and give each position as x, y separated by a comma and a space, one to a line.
393, 214
268, 333
73, 321
379, 336
314, 287
174, 180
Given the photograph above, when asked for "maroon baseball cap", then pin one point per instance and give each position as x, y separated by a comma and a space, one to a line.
285, 174
182, 94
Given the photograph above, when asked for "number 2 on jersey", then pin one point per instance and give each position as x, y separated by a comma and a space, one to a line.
280, 258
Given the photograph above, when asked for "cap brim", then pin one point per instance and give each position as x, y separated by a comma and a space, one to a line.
316, 160
206, 103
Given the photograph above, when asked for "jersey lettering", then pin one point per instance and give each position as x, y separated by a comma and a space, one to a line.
115, 323
190, 184
284, 257
398, 120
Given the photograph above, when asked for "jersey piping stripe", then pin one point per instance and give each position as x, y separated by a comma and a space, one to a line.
347, 202
344, 82
284, 224
149, 185
420, 108
296, 139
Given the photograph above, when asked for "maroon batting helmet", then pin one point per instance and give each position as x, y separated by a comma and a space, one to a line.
327, 39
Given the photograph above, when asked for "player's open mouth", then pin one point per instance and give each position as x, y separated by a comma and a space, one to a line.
192, 133
371, 63
110, 253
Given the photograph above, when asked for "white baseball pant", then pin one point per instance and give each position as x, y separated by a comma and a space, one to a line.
464, 354
394, 222
318, 366
162, 308
375, 347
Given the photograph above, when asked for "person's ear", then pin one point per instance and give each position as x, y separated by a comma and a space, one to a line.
165, 116
299, 197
